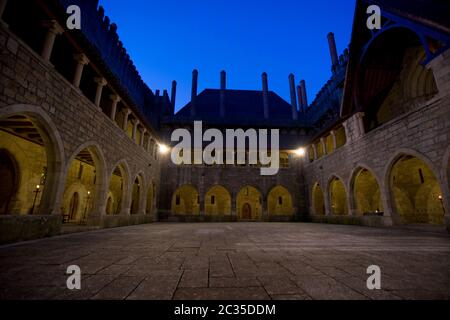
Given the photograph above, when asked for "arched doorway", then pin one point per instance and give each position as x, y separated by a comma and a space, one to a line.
136, 195
218, 201
249, 204
366, 193
29, 149
318, 200
416, 192
118, 188
338, 198
279, 202
84, 176
9, 184
186, 201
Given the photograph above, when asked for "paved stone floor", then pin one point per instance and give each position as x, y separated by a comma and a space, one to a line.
230, 261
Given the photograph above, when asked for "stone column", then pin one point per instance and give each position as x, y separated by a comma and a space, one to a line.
194, 92
143, 131
324, 146
101, 82
293, 97
333, 136
346, 131
126, 114
115, 99
223, 88
54, 29
315, 152
81, 60
135, 126
359, 124
265, 87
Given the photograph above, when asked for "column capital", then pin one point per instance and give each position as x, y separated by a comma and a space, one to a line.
81, 58
101, 81
360, 115
53, 26
115, 98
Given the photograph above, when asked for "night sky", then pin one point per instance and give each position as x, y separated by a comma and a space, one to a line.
168, 39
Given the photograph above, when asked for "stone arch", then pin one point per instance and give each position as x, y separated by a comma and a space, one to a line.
365, 192
318, 200
84, 202
186, 201
218, 201
54, 152
388, 82
414, 189
279, 202
119, 186
138, 195
87, 166
249, 203
338, 196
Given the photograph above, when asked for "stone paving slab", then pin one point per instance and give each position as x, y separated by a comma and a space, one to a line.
230, 261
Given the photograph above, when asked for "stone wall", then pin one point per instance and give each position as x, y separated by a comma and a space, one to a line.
422, 132
70, 122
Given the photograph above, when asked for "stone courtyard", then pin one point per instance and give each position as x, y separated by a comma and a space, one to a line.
231, 261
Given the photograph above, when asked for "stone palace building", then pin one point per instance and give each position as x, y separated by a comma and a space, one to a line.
81, 133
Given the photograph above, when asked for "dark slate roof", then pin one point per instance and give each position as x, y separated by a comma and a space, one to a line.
242, 107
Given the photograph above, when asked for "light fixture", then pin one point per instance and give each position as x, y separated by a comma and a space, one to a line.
163, 149
440, 197
38, 186
300, 152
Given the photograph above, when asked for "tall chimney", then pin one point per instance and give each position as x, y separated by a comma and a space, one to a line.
223, 88
300, 99
194, 92
304, 95
333, 50
265, 87
173, 94
293, 97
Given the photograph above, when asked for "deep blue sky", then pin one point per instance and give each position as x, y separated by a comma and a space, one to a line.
168, 39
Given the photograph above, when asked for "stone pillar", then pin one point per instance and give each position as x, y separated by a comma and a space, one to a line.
359, 117
234, 211
126, 114
194, 92
333, 136
115, 99
173, 95
304, 94
2, 7
54, 29
293, 97
101, 82
301, 107
81, 60
265, 88
223, 88
316, 155
346, 131
135, 126
333, 50
324, 145
143, 131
